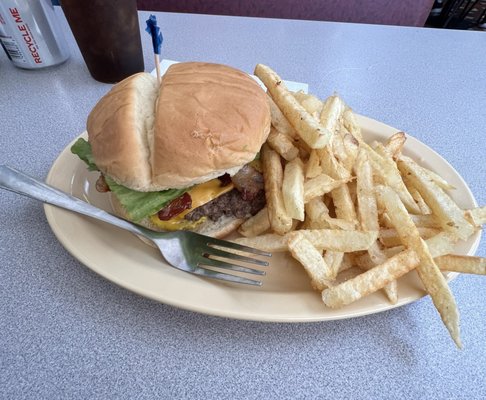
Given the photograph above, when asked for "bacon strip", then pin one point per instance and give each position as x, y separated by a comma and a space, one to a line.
248, 181
175, 207
101, 185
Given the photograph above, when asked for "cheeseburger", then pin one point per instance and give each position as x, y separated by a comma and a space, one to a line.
182, 154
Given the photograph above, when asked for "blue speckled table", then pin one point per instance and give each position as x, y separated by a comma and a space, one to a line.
66, 333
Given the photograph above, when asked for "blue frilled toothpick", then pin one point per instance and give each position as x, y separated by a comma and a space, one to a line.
157, 40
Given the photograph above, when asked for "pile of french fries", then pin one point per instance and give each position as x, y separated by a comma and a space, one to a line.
336, 202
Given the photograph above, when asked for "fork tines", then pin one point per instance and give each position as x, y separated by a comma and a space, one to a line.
220, 254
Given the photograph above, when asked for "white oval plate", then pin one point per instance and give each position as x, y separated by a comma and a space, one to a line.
286, 294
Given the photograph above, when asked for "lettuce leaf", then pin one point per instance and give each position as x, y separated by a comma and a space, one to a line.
83, 150
142, 204
137, 204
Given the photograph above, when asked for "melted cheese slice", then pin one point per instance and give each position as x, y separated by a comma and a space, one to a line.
200, 195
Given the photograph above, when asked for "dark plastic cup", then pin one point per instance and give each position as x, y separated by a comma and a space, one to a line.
108, 35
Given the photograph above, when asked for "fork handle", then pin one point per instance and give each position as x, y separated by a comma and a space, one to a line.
19, 183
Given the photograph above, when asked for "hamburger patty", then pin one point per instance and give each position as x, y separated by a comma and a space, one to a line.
229, 204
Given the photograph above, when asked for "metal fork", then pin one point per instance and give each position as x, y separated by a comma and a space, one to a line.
184, 250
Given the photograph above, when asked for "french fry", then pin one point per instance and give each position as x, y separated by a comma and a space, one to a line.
338, 223
293, 189
333, 260
477, 216
343, 204
280, 221
279, 122
395, 143
448, 213
352, 193
304, 149
338, 240
430, 275
347, 262
307, 127
365, 262
331, 166
441, 182
421, 204
463, 264
376, 256
441, 244
311, 259
384, 219
313, 167
420, 221
351, 147
255, 225
425, 221
270, 242
386, 168
438, 245
341, 196
282, 144
371, 280
316, 213
320, 185
367, 208
318, 217
337, 147
390, 237
351, 124
310, 102
332, 111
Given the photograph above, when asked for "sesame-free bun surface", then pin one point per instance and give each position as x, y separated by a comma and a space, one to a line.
203, 121
118, 129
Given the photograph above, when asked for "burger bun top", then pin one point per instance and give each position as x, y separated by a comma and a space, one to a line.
204, 120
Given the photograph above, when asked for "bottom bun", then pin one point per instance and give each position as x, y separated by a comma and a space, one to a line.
217, 229
220, 228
